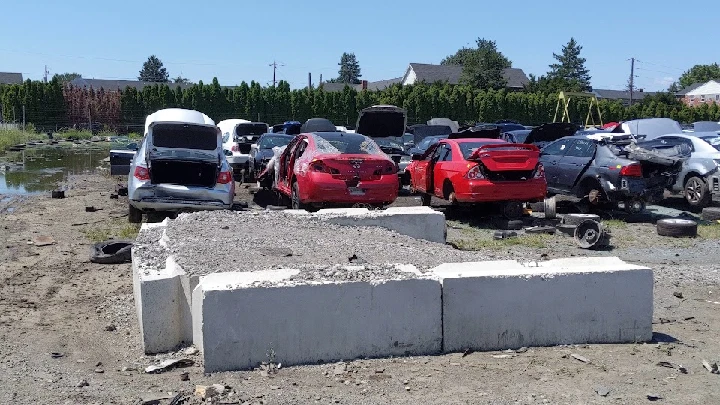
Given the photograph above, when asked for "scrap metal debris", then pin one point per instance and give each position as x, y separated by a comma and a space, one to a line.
713, 368
580, 358
169, 365
42, 240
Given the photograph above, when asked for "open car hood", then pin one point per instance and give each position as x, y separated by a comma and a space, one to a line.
382, 121
318, 125
551, 132
484, 131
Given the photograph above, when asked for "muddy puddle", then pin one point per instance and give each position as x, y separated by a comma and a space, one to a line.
40, 170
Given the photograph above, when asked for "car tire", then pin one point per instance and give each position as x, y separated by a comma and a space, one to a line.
425, 199
677, 228
567, 230
576, 219
112, 252
134, 215
711, 214
295, 202
550, 207
508, 224
697, 193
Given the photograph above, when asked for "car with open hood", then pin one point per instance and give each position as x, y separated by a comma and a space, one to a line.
478, 170
699, 179
180, 166
322, 169
386, 125
238, 137
607, 170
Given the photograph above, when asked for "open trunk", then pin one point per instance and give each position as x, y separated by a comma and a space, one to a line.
381, 121
183, 172
507, 162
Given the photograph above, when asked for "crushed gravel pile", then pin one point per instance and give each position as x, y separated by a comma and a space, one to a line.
212, 241
148, 249
343, 273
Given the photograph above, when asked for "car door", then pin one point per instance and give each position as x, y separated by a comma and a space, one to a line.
286, 169
420, 170
550, 158
439, 171
574, 163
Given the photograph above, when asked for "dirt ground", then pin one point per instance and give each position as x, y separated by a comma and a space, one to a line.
69, 334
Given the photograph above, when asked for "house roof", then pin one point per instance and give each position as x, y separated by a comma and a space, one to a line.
688, 89
10, 78
337, 87
372, 86
118, 84
711, 87
515, 77
383, 84
622, 94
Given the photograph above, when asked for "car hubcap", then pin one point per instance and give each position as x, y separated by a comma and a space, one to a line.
693, 191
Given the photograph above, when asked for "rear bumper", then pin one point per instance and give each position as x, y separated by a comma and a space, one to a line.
171, 197
333, 191
635, 188
487, 191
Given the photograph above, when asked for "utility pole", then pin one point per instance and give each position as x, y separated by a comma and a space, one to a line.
632, 79
23, 117
275, 65
309, 80
45, 77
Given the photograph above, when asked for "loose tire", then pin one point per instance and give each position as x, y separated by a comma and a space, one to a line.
425, 199
111, 252
134, 215
677, 228
295, 202
550, 207
711, 214
697, 193
577, 219
567, 230
508, 224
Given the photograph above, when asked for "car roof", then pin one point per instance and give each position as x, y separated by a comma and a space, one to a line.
478, 140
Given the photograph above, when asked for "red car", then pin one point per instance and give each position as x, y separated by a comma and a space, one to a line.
335, 168
479, 170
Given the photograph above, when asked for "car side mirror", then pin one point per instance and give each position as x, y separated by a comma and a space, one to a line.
416, 156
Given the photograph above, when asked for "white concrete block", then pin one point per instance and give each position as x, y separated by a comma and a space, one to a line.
417, 222
506, 305
237, 324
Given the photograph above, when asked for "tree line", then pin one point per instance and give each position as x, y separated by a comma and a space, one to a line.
56, 104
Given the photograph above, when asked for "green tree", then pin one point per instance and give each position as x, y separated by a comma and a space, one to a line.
66, 77
482, 66
700, 74
153, 71
570, 68
181, 80
349, 69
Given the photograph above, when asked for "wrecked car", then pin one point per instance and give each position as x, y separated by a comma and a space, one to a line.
607, 171
180, 166
699, 179
238, 136
262, 152
386, 124
475, 170
332, 169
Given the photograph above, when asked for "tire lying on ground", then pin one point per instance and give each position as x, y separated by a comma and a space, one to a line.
508, 224
550, 207
111, 252
567, 230
576, 219
677, 228
711, 213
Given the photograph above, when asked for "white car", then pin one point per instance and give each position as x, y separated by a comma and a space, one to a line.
180, 166
238, 136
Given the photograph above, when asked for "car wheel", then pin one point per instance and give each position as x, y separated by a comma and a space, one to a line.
425, 199
634, 206
697, 193
550, 207
295, 202
677, 228
134, 215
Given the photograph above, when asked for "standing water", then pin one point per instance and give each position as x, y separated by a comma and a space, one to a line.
41, 169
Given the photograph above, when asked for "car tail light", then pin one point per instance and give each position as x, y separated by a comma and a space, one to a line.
142, 173
235, 148
318, 166
539, 172
475, 173
632, 170
224, 177
391, 168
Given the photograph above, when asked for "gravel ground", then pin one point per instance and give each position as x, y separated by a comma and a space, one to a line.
207, 242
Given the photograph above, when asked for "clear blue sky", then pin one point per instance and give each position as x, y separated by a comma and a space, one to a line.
237, 40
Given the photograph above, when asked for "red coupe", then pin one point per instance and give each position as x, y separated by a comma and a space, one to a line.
478, 170
335, 168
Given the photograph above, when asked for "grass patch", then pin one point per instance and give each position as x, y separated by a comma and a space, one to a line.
711, 231
615, 224
533, 241
10, 137
73, 133
117, 229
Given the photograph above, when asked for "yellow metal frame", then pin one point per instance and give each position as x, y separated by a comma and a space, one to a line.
564, 98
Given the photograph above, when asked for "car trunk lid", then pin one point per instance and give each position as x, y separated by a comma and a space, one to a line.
354, 168
382, 121
506, 157
184, 154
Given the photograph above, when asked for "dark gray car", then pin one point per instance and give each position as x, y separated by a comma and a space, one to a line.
606, 172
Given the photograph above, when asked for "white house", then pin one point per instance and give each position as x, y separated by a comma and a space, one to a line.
708, 93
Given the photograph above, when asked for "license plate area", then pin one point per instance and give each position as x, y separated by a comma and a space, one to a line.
356, 191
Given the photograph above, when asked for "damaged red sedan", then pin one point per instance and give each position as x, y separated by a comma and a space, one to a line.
335, 169
478, 170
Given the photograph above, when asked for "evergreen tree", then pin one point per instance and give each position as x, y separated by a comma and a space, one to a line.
349, 69
482, 66
154, 71
570, 69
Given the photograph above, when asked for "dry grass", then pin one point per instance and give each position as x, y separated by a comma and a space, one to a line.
711, 231
481, 242
116, 229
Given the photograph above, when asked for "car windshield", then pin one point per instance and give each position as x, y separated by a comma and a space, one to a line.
467, 148
271, 141
427, 142
714, 141
251, 129
345, 143
389, 145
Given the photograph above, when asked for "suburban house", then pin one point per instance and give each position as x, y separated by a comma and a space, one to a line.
423, 72
680, 95
11, 78
707, 93
622, 95
115, 85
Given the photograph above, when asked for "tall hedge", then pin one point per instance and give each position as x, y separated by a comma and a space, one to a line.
51, 104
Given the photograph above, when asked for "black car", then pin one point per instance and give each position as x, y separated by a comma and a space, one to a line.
264, 151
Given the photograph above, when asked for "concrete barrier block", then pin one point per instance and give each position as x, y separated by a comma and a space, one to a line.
506, 305
237, 322
417, 222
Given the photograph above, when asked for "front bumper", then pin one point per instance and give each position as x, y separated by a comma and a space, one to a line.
172, 197
487, 191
